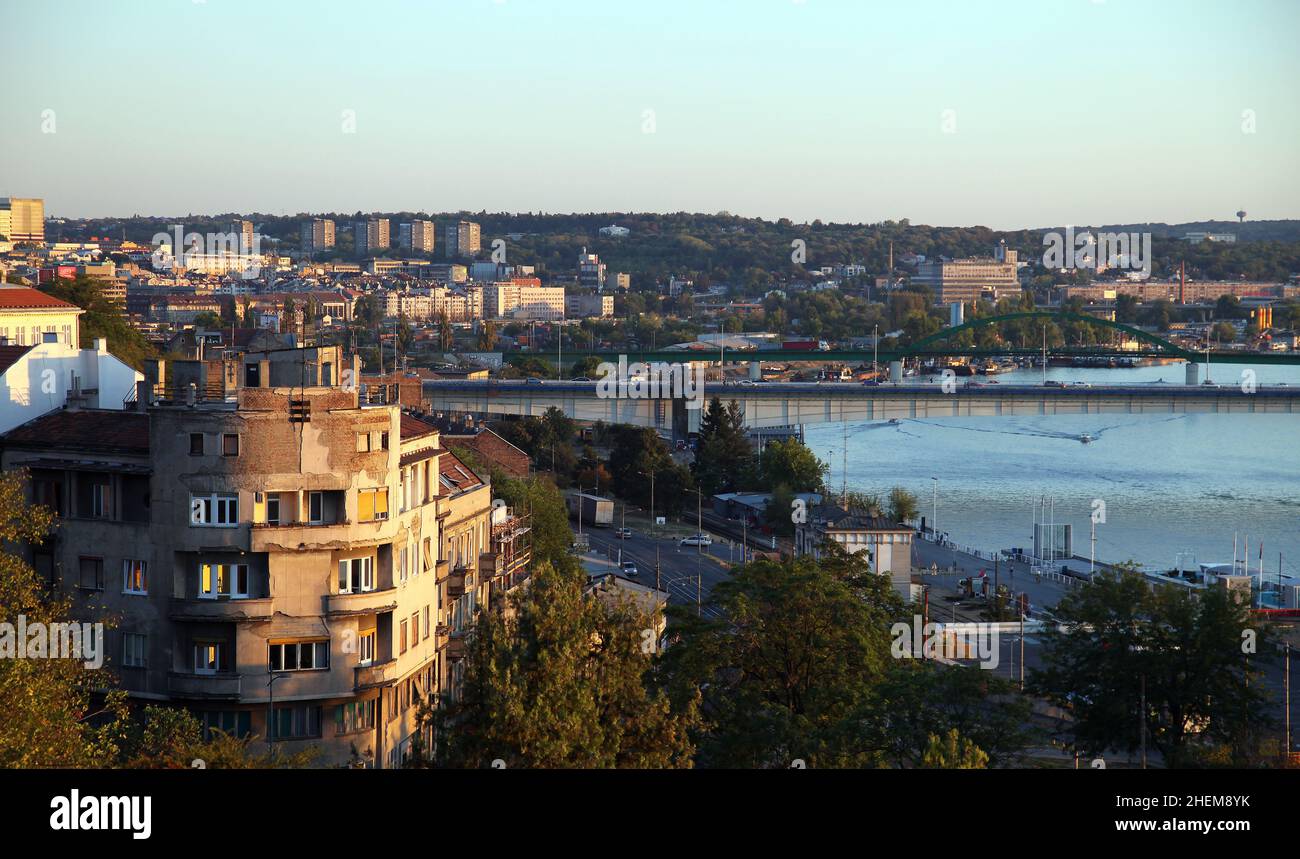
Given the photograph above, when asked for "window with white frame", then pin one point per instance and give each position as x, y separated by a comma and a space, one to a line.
299, 655
210, 657
366, 647
315, 508
223, 580
134, 578
218, 510
273, 508
356, 575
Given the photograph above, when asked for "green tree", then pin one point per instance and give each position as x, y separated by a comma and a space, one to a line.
1187, 655
487, 337
561, 680
446, 337
103, 318
953, 752
792, 464
903, 506
724, 459
789, 666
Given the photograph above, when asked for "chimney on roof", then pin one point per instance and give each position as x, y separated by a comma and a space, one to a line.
75, 398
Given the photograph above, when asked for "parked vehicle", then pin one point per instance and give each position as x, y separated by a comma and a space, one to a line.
697, 540
596, 511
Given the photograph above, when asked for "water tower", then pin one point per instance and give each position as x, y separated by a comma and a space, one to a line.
1241, 215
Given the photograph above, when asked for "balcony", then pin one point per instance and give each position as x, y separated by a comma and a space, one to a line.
460, 579
366, 602
490, 565
457, 646
214, 686
228, 610
292, 536
441, 636
376, 674
441, 570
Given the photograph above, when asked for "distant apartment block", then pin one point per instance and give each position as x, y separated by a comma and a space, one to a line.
416, 236
622, 281
22, 219
317, 235
462, 239
370, 236
1190, 292
591, 271
967, 280
243, 231
589, 306
1197, 238
523, 298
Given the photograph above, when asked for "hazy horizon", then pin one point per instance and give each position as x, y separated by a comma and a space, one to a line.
946, 113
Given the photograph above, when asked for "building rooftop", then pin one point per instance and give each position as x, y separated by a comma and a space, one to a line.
454, 476
89, 430
413, 427
835, 517
9, 355
26, 298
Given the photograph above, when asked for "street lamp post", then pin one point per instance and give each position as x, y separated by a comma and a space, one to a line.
934, 512
270, 705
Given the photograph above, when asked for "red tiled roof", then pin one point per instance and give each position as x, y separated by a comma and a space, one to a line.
454, 476
9, 355
100, 430
26, 298
413, 427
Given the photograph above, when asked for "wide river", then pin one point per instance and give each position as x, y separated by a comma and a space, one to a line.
1170, 483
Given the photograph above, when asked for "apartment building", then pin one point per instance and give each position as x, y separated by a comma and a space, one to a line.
22, 219
459, 305
416, 236
523, 298
317, 235
370, 236
284, 560
462, 239
1172, 290
243, 231
967, 280
591, 271
589, 306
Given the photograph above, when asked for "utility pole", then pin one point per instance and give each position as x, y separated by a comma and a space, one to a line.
1142, 719
1021, 611
1286, 686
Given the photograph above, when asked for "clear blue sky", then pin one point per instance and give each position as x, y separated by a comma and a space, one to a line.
1066, 111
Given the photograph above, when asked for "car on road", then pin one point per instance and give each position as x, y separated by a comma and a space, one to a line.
697, 540
629, 569
623, 533
533, 380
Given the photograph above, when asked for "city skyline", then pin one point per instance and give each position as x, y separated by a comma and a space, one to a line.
1007, 116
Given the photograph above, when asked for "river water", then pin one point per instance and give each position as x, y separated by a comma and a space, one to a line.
1170, 483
